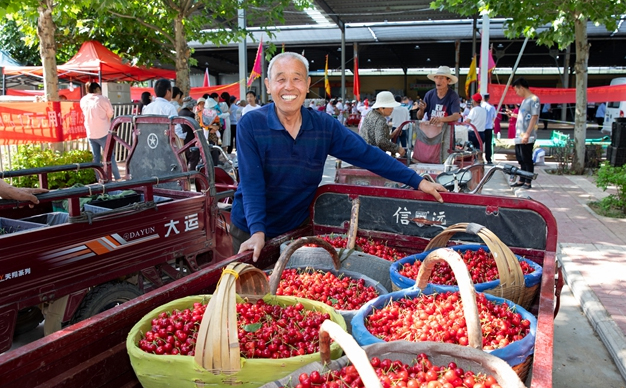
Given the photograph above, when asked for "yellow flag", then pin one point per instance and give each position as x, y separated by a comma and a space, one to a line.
471, 77
326, 83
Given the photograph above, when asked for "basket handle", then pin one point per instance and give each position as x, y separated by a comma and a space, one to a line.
355, 353
217, 345
466, 289
291, 248
354, 223
509, 269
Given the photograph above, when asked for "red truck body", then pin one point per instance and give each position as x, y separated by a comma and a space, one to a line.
92, 353
169, 233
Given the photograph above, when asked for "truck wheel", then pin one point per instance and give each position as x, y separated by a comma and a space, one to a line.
28, 319
104, 297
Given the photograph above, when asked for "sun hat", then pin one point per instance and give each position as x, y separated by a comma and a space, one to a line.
477, 97
444, 71
385, 100
201, 100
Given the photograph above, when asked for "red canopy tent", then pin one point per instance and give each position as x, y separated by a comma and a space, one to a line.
94, 62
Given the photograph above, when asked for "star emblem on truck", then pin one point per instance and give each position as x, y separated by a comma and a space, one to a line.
153, 141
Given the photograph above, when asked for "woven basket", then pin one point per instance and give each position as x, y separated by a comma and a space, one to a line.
439, 353
286, 255
217, 360
517, 354
511, 278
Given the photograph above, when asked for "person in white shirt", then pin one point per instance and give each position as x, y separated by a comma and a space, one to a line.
161, 104
251, 100
98, 112
399, 115
177, 98
341, 110
478, 118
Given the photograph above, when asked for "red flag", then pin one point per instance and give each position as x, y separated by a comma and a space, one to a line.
256, 69
356, 82
206, 83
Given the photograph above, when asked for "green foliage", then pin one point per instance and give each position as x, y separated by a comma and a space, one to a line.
613, 176
13, 42
549, 22
32, 156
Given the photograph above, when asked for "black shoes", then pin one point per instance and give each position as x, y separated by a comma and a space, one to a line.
517, 184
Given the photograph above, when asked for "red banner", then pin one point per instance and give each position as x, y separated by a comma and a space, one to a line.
40, 122
560, 96
70, 95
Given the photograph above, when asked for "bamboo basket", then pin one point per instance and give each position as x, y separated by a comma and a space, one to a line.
217, 360
517, 354
285, 256
511, 284
439, 353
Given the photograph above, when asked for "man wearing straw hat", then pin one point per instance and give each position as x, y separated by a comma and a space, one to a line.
442, 104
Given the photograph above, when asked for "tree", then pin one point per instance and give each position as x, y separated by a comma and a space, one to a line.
552, 22
171, 22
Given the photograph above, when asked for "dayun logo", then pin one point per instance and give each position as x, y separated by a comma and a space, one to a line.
139, 233
153, 141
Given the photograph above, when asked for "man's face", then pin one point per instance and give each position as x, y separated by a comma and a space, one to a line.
168, 95
441, 82
251, 99
288, 85
518, 90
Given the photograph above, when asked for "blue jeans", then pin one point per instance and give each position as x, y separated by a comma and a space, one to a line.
97, 146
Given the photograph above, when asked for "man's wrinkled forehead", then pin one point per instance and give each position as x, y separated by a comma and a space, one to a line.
289, 67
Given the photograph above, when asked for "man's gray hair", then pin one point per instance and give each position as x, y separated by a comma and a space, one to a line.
290, 54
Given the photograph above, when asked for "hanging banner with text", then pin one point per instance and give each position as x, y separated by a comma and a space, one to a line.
559, 95
40, 122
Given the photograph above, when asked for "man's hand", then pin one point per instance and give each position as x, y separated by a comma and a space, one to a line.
19, 193
255, 243
432, 189
401, 151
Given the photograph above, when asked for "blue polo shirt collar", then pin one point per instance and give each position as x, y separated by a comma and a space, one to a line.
274, 123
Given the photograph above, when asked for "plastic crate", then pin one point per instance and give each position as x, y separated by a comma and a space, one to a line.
54, 218
9, 225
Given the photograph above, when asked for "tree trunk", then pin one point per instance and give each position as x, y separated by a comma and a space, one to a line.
580, 122
182, 56
48, 49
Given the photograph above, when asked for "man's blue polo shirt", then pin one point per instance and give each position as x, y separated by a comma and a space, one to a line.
279, 174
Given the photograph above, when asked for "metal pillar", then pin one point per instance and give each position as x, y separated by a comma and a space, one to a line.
243, 54
484, 56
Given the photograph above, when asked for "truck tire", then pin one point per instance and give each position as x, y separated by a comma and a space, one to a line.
28, 319
104, 297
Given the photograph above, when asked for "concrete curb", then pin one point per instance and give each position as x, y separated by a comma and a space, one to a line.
600, 320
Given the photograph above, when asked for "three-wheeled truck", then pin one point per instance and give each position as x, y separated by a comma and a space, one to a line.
75, 264
92, 353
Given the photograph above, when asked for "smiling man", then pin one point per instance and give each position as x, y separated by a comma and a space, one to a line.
281, 151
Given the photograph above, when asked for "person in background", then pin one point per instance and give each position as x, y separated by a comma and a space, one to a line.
146, 98
477, 117
234, 108
546, 114
161, 104
251, 100
442, 104
512, 113
488, 136
19, 193
98, 112
341, 109
177, 98
193, 157
375, 130
279, 175
224, 107
525, 129
211, 129
600, 113
331, 108
399, 115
